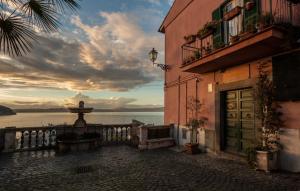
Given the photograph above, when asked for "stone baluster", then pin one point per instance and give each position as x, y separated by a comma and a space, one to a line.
37, 139
22, 139
122, 134
43, 142
29, 139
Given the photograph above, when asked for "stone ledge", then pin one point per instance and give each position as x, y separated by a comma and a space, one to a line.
160, 143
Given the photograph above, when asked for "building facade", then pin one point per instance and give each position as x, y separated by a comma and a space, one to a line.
219, 67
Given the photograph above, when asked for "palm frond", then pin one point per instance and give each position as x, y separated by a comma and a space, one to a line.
16, 35
42, 14
62, 5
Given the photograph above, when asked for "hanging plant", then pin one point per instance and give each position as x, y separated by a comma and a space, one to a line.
208, 29
190, 39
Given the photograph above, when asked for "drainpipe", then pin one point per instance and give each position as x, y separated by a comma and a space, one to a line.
178, 121
271, 7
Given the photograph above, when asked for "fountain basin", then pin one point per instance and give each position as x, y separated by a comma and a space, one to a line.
74, 142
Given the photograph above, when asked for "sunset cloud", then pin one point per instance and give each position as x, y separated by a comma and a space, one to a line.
114, 57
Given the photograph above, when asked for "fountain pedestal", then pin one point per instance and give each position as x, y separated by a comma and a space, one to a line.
78, 138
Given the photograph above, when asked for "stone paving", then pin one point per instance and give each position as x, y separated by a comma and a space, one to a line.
125, 168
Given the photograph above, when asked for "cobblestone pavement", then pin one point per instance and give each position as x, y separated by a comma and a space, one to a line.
125, 168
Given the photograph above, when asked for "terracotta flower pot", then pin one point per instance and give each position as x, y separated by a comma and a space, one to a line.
267, 160
234, 39
249, 5
192, 148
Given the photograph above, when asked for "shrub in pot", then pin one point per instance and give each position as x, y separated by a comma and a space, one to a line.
271, 122
194, 124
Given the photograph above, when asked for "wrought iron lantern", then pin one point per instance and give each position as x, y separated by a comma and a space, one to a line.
153, 54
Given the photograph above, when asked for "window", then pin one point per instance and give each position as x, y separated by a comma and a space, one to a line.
234, 26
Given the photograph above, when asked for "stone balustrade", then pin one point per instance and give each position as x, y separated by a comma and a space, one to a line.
35, 138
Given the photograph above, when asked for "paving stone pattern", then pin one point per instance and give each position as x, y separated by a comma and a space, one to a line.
125, 168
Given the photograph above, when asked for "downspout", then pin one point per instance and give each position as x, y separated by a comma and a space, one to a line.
178, 121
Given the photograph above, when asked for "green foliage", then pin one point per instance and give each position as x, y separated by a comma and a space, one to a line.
209, 27
194, 107
266, 19
19, 19
197, 54
267, 110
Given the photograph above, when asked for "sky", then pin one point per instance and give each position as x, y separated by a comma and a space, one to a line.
100, 55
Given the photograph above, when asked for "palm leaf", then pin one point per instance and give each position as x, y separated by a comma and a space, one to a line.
16, 35
61, 5
42, 14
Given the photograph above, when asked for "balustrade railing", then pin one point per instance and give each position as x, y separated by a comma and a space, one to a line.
37, 138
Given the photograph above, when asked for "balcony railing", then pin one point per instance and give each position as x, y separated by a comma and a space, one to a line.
279, 13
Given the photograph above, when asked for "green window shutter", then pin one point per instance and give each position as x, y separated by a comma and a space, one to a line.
218, 37
252, 16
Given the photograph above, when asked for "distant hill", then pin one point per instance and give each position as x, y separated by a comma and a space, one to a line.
6, 111
54, 110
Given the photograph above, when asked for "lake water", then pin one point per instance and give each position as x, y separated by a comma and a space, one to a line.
43, 119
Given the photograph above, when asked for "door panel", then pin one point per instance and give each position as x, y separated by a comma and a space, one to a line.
239, 122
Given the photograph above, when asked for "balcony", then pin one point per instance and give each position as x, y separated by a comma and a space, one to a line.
201, 55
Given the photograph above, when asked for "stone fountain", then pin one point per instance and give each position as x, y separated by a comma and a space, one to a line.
78, 138
81, 110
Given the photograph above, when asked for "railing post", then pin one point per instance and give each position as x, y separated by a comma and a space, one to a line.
10, 139
2, 139
143, 137
134, 132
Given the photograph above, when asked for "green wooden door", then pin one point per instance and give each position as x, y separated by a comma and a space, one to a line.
239, 121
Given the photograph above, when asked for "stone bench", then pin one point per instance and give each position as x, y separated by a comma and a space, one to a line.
160, 143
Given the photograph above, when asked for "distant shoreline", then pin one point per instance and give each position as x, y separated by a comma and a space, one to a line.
63, 110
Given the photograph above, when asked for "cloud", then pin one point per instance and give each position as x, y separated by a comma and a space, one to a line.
114, 57
97, 103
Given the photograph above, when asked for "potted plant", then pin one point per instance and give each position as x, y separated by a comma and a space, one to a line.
264, 21
218, 45
190, 39
249, 31
197, 54
194, 124
249, 5
233, 39
271, 122
208, 29
208, 48
232, 13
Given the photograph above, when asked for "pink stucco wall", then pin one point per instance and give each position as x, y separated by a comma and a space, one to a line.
180, 85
